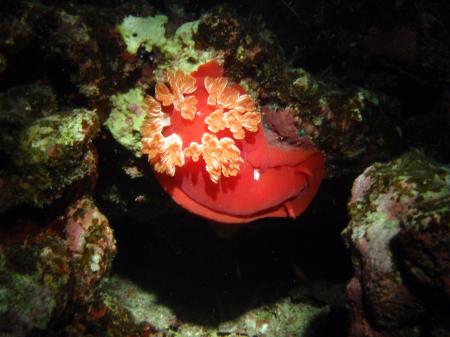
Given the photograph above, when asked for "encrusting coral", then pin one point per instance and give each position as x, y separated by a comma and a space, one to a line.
204, 139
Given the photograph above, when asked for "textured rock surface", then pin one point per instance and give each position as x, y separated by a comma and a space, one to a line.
47, 269
51, 154
125, 308
363, 80
400, 241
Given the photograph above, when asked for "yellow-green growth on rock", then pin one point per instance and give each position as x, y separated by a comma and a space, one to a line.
146, 31
178, 50
126, 118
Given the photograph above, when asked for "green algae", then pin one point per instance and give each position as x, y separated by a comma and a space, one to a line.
52, 153
283, 318
52, 138
15, 292
143, 31
304, 85
126, 117
29, 297
398, 190
179, 50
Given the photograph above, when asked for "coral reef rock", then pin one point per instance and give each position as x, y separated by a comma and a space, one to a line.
52, 153
49, 269
400, 243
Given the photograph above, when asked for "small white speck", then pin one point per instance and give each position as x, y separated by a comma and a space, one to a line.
95, 263
256, 174
264, 328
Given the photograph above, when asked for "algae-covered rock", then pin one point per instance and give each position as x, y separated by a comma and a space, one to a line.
425, 248
179, 49
91, 244
49, 140
46, 268
32, 286
400, 239
52, 153
20, 106
143, 31
139, 311
126, 117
